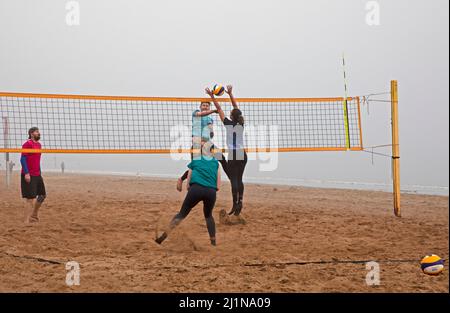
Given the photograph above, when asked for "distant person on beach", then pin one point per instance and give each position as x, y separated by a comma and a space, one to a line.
11, 166
63, 167
203, 182
32, 183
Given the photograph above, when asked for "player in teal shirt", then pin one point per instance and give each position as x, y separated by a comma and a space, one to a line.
203, 184
204, 171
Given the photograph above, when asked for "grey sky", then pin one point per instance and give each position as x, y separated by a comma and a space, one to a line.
265, 49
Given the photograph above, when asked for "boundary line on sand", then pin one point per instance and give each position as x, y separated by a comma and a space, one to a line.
290, 263
256, 264
33, 258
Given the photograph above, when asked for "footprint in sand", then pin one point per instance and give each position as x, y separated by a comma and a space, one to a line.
226, 219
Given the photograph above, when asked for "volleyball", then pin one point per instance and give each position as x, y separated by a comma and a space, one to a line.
218, 90
432, 264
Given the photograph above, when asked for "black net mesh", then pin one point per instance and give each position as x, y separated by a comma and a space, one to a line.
158, 125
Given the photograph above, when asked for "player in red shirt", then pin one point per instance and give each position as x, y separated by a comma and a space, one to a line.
33, 188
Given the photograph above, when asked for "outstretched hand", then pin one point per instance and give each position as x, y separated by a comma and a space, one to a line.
209, 92
229, 89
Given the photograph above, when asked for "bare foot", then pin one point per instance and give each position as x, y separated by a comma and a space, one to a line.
179, 184
34, 219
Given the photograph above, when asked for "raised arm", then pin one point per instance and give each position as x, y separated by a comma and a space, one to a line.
229, 91
205, 113
216, 104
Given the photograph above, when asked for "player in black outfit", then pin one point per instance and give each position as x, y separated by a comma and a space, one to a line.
237, 157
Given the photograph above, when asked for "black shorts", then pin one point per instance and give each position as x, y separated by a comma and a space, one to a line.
32, 189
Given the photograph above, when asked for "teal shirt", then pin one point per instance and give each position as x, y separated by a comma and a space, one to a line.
204, 171
200, 125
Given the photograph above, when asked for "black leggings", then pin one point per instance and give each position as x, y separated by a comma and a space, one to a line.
196, 194
237, 160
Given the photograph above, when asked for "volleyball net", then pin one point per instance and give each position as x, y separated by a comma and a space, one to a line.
111, 124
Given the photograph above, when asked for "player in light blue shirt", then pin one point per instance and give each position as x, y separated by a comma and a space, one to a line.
202, 123
202, 127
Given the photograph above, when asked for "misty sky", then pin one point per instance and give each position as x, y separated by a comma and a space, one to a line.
264, 48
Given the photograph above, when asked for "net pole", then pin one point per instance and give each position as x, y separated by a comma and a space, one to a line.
6, 143
8, 173
395, 148
345, 103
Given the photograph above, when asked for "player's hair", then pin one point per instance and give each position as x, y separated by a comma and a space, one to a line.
236, 116
207, 102
32, 130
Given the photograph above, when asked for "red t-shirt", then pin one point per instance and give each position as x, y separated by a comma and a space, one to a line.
33, 159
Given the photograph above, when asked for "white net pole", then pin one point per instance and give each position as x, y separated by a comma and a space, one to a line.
6, 139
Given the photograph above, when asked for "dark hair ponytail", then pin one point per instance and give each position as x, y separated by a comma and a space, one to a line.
237, 117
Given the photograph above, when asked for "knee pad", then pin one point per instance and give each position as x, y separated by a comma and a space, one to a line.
40, 199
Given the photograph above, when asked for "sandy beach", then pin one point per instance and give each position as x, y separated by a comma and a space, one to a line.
295, 239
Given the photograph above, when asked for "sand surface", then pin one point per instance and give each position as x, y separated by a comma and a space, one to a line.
294, 240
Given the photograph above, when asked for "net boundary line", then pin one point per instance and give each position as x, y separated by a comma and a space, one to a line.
168, 99
167, 151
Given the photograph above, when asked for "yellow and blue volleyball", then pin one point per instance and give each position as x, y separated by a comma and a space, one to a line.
432, 264
218, 90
